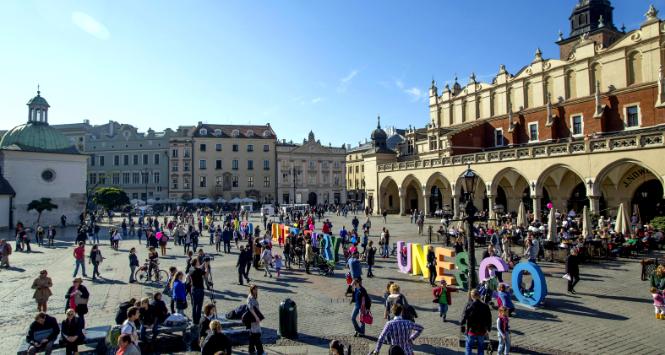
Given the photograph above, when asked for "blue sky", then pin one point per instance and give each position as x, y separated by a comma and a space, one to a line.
327, 66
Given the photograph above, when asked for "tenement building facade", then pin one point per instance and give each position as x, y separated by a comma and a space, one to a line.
584, 129
234, 161
310, 173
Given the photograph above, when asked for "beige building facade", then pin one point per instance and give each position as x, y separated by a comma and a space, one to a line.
230, 161
311, 173
585, 129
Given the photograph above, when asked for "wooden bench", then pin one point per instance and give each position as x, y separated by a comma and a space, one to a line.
95, 337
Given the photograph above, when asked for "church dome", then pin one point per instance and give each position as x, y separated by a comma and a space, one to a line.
379, 134
36, 136
38, 101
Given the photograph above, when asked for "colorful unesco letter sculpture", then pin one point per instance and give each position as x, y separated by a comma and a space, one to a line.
412, 258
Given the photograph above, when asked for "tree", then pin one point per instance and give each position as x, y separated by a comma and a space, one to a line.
41, 205
110, 197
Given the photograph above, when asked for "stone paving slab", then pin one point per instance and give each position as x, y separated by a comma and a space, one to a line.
611, 313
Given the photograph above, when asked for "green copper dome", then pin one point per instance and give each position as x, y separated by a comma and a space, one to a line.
37, 137
38, 101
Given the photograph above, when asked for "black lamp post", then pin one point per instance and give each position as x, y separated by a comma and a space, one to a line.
293, 171
470, 180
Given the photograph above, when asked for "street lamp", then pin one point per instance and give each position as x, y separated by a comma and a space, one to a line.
470, 181
293, 171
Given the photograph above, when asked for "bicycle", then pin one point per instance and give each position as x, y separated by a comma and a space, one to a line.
159, 276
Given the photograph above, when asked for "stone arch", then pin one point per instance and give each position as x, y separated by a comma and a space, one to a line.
560, 180
438, 192
480, 199
389, 196
513, 183
621, 182
412, 194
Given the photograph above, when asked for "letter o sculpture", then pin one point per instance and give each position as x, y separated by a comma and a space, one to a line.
539, 283
498, 263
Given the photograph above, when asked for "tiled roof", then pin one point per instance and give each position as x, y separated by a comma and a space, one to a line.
5, 187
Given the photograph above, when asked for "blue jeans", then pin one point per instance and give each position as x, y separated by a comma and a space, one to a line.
386, 250
471, 339
443, 310
197, 304
354, 319
76, 268
504, 345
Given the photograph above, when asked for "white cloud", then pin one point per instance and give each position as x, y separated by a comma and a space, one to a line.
316, 100
399, 84
346, 81
88, 24
415, 93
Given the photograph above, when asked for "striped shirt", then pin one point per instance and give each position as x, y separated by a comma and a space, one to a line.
400, 332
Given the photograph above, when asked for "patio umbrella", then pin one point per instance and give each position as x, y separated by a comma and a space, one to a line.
178, 200
221, 200
249, 200
551, 226
194, 201
235, 200
586, 223
521, 216
622, 224
206, 200
151, 201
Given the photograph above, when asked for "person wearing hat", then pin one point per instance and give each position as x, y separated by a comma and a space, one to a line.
42, 286
76, 298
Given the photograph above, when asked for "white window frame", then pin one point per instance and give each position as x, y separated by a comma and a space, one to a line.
572, 131
625, 116
503, 138
203, 132
531, 140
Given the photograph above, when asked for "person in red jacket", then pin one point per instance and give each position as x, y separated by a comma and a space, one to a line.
442, 298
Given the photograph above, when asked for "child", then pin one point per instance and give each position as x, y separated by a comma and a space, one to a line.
658, 303
278, 263
504, 300
503, 330
442, 298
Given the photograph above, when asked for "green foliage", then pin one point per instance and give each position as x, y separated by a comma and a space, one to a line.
41, 205
658, 222
110, 197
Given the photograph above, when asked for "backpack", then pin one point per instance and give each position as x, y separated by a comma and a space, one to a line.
112, 336
396, 350
408, 313
8, 249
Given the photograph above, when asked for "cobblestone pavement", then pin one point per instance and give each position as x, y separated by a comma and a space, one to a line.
611, 314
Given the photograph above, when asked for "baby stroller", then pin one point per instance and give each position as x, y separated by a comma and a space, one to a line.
323, 266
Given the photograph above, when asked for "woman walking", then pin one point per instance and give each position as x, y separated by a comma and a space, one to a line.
573, 270
255, 345
42, 286
431, 265
95, 259
179, 293
77, 297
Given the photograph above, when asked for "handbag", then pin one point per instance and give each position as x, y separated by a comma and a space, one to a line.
366, 317
567, 277
181, 304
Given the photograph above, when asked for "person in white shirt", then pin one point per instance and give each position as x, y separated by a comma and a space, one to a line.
129, 325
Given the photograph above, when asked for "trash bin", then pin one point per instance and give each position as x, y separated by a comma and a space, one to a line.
288, 319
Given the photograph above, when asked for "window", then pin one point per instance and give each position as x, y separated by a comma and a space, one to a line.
145, 159
156, 159
312, 164
336, 179
219, 180
266, 148
135, 178
218, 147
266, 165
136, 159
116, 178
498, 137
250, 165
533, 132
185, 182
218, 164
250, 147
125, 178
218, 132
174, 153
202, 181
234, 164
202, 147
102, 179
116, 160
155, 177
174, 183
203, 132
185, 166
234, 181
174, 166
187, 153
632, 116
250, 181
92, 179
235, 147
634, 68
125, 160
266, 181
144, 178
576, 125
202, 164
92, 160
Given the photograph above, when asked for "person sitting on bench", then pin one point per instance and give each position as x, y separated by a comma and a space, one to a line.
42, 334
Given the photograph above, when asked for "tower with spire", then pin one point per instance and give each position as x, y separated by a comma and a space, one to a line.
38, 109
593, 19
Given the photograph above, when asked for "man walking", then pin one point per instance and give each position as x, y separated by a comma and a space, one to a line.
355, 266
242, 265
197, 276
399, 332
476, 323
79, 257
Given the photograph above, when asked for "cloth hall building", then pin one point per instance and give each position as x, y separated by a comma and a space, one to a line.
584, 129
